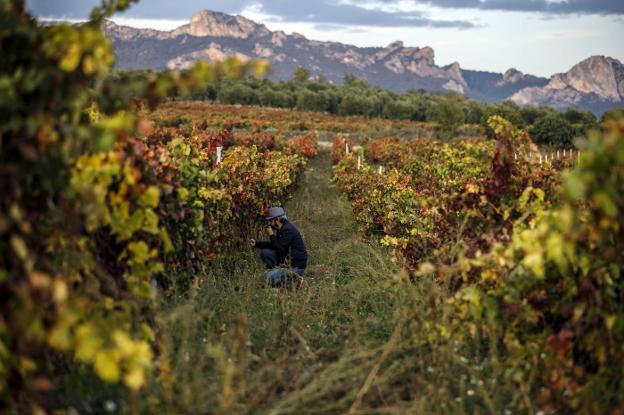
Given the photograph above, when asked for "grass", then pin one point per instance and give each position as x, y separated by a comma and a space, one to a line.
236, 347
358, 338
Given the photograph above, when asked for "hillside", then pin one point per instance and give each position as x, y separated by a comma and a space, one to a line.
212, 36
595, 84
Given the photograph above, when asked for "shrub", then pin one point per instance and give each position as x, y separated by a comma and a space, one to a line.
553, 130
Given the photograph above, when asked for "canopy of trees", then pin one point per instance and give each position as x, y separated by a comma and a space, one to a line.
356, 97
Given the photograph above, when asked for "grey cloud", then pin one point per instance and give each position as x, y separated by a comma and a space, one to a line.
327, 12
605, 7
319, 12
148, 9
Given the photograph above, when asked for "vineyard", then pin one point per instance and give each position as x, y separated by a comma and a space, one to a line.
471, 275
527, 255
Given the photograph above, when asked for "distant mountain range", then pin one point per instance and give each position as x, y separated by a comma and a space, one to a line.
596, 84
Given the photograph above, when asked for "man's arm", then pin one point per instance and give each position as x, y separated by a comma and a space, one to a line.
263, 245
282, 243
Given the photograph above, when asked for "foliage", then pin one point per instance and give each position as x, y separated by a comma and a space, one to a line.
311, 101
611, 116
304, 145
237, 94
96, 204
448, 114
554, 130
278, 99
534, 276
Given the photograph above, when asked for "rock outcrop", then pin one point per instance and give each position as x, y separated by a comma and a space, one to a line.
213, 36
594, 80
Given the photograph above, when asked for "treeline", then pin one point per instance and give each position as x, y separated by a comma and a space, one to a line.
448, 111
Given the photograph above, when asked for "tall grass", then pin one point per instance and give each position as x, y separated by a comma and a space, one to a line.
357, 338
237, 347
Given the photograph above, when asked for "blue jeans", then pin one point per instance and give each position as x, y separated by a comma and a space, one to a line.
278, 277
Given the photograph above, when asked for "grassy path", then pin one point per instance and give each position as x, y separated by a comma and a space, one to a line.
236, 347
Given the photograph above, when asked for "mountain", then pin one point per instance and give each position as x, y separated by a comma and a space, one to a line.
212, 36
596, 83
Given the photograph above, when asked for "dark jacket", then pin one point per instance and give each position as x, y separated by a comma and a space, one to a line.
287, 241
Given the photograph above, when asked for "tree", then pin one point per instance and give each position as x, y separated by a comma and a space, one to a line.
448, 114
355, 104
351, 81
420, 104
581, 121
397, 109
531, 113
301, 74
278, 99
611, 115
509, 112
311, 101
473, 112
553, 129
237, 93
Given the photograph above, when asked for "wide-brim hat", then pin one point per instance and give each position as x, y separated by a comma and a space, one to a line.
275, 213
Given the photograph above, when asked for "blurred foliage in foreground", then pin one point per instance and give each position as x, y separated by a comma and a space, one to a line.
81, 235
532, 260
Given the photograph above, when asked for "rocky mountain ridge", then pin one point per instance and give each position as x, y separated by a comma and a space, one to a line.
597, 82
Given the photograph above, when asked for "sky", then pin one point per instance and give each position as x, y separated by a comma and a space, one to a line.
540, 37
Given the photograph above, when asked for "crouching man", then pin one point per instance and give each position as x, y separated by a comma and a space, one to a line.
285, 243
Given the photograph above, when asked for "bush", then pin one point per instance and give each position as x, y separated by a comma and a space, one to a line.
311, 101
237, 94
511, 114
613, 115
355, 104
277, 99
397, 109
448, 114
553, 130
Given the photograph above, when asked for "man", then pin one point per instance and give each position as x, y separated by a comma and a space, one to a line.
285, 243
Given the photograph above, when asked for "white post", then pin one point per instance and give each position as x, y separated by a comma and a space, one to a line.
558, 155
347, 148
540, 158
515, 156
380, 170
359, 162
219, 154
579, 157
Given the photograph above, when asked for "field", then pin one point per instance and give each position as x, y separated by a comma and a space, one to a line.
471, 275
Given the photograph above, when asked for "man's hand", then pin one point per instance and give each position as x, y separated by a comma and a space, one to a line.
252, 243
270, 230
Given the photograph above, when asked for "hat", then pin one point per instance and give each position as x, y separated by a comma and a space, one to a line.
274, 213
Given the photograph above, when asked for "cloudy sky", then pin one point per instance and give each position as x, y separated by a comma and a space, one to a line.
540, 37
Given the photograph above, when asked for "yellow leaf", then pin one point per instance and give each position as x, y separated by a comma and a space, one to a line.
610, 321
107, 365
134, 379
60, 336
88, 342
88, 65
60, 291
150, 197
19, 247
123, 341
70, 60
